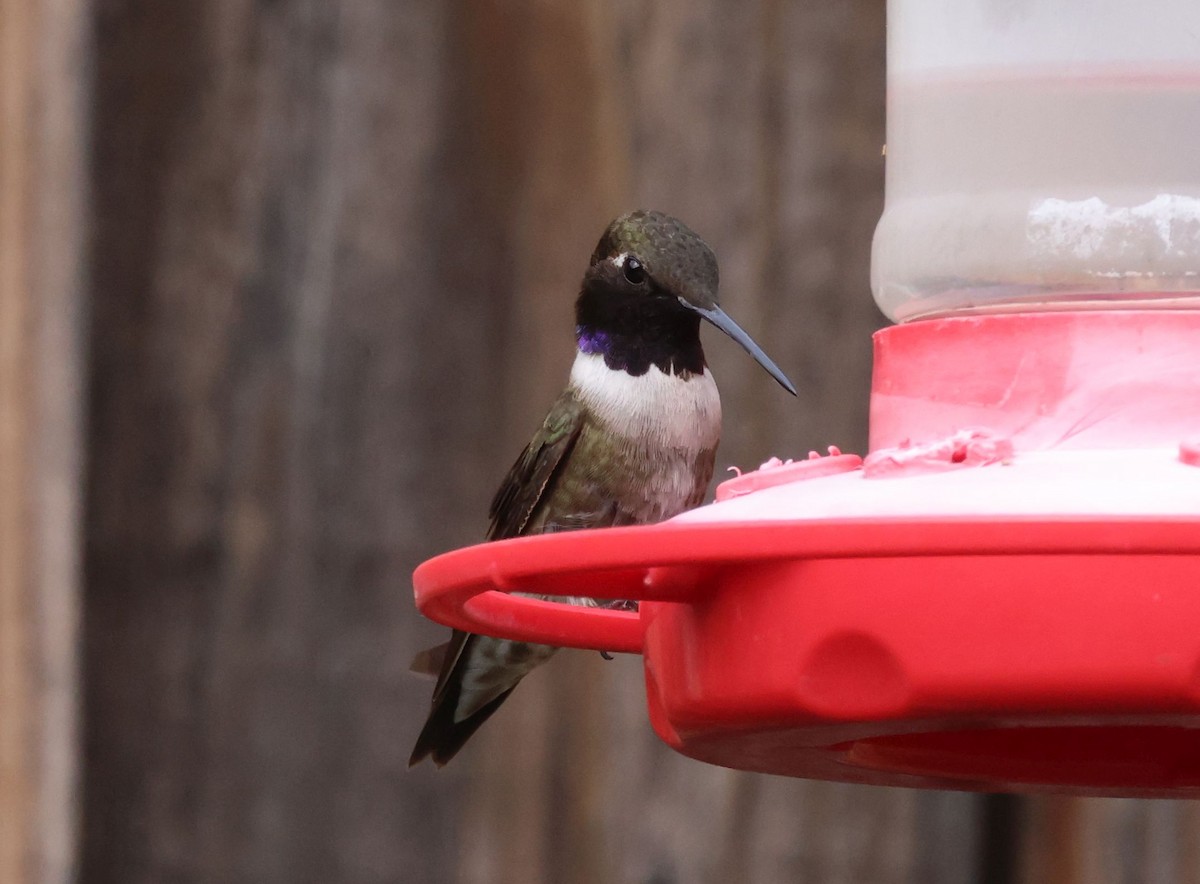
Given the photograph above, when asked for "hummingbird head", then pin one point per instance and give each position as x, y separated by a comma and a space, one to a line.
650, 281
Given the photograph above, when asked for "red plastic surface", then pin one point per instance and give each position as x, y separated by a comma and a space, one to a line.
902, 653
1088, 379
776, 472
1054, 652
1189, 452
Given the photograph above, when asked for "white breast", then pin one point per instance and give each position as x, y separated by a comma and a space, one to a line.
661, 408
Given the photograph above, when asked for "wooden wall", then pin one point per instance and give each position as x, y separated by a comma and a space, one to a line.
284, 287
43, 204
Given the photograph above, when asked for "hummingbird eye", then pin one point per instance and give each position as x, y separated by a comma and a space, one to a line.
635, 273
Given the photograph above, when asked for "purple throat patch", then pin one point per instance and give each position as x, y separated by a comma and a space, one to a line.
592, 340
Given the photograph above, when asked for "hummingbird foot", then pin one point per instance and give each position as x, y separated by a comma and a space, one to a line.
618, 605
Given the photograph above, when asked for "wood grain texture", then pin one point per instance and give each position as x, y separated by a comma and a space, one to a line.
43, 79
267, 316
1110, 841
17, 778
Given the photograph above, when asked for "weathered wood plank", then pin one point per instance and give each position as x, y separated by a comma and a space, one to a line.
43, 80
1109, 841
268, 307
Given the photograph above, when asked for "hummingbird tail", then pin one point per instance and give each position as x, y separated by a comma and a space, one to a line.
442, 736
477, 675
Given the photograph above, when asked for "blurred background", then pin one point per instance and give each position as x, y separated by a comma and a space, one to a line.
284, 287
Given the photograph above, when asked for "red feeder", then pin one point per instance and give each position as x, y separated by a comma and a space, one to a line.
1004, 595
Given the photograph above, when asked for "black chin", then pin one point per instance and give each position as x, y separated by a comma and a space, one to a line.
634, 331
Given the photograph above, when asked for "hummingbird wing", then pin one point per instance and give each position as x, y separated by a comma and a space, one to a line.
519, 494
451, 721
527, 482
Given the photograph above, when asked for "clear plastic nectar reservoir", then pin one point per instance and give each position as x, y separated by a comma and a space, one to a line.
1040, 156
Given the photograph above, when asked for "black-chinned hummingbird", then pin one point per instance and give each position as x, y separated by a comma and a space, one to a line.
632, 440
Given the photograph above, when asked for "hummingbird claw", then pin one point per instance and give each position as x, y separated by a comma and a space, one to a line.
607, 656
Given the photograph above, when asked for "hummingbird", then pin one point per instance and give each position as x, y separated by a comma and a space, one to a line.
632, 440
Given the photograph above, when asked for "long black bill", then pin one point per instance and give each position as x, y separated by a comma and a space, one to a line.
721, 320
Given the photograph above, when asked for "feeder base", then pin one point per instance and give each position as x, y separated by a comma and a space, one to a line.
1004, 595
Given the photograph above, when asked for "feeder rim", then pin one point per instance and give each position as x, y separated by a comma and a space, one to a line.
472, 588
